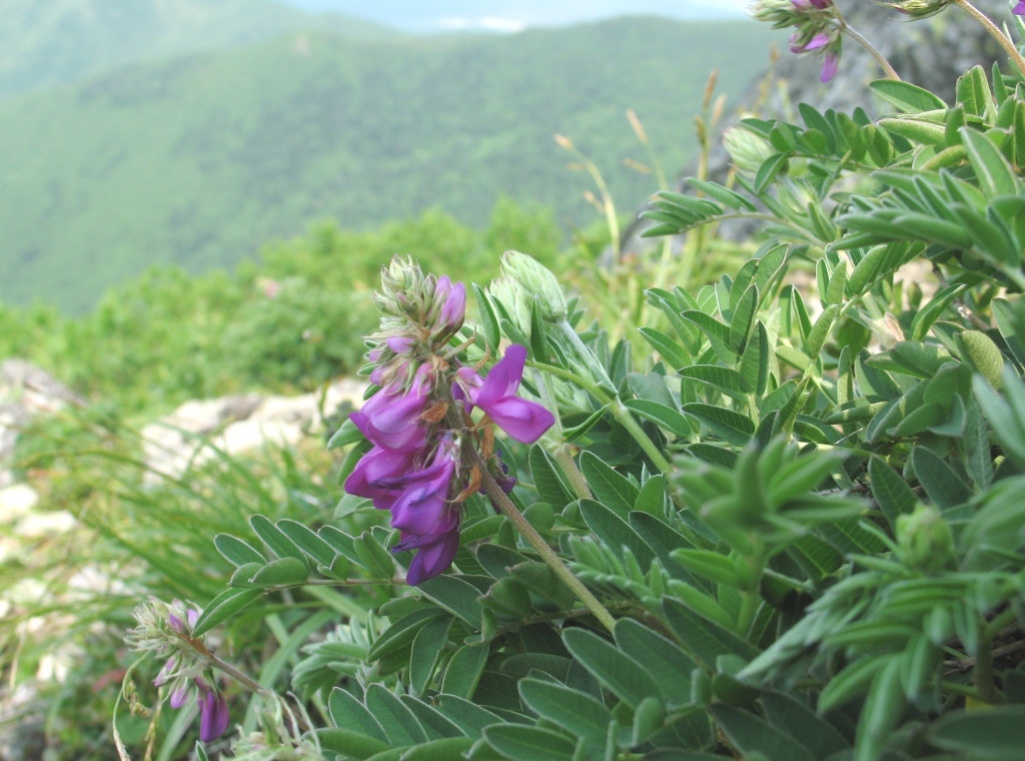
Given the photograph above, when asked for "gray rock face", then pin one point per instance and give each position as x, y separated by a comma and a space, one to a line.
931, 53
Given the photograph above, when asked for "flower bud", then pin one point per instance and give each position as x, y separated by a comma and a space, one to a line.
515, 300
747, 150
537, 281
919, 9
924, 540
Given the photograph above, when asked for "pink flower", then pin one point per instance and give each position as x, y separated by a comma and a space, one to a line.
376, 467
390, 419
213, 713
523, 420
830, 64
437, 548
1019, 9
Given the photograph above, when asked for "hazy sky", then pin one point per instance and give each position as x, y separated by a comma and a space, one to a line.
513, 15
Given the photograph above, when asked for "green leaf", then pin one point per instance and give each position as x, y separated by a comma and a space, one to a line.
348, 712
236, 551
974, 94
470, 717
346, 434
883, 711
983, 355
850, 683
995, 175
892, 494
750, 734
309, 542
464, 670
724, 379
552, 486
664, 417
945, 487
226, 604
428, 644
657, 655
754, 365
703, 638
615, 533
612, 667
445, 749
397, 721
349, 743
456, 595
792, 717
995, 733
674, 354
401, 632
743, 318
609, 487
768, 170
488, 319
275, 539
722, 195
927, 315
718, 334
733, 427
522, 743
907, 97
713, 566
569, 709
436, 724
281, 572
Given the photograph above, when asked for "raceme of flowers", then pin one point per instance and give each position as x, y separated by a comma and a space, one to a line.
167, 631
817, 28
428, 448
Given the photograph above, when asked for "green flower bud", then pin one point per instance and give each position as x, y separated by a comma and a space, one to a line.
747, 150
538, 282
918, 9
924, 540
516, 302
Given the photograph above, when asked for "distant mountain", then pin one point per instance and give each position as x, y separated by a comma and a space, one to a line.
46, 42
201, 159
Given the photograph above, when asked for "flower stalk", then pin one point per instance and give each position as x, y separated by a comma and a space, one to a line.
499, 498
995, 33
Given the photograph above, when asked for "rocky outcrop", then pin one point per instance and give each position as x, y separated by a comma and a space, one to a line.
200, 431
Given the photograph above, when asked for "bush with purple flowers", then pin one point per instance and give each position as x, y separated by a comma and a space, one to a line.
779, 518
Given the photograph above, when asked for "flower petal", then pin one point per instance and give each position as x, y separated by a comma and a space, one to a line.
504, 378
525, 421
213, 715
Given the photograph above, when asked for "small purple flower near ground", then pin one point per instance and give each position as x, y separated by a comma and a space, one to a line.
1019, 9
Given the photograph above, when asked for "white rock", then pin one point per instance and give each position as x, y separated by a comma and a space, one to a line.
40, 525
17, 501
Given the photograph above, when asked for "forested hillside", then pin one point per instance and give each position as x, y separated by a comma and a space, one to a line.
199, 160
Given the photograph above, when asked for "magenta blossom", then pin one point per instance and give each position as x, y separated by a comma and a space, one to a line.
213, 713
437, 548
429, 455
525, 421
390, 418
1019, 9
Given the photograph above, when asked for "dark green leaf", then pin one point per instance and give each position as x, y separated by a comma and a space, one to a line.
226, 604
674, 354
995, 175
657, 655
520, 743
665, 417
703, 638
397, 721
427, 647
996, 733
307, 541
349, 743
733, 427
281, 572
611, 666
349, 713
751, 734
456, 595
273, 537
615, 533
610, 488
552, 485
464, 670
574, 711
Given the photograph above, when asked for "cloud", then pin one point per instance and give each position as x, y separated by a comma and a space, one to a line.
483, 23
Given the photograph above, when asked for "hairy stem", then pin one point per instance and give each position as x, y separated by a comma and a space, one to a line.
995, 32
564, 456
551, 559
855, 35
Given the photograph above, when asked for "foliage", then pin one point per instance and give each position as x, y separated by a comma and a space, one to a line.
801, 516
198, 160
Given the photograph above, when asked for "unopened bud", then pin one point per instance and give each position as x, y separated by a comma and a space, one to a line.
537, 281
924, 540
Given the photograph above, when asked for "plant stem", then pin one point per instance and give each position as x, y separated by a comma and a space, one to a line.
855, 35
564, 456
551, 559
995, 33
982, 675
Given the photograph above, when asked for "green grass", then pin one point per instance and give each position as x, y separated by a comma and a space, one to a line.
199, 160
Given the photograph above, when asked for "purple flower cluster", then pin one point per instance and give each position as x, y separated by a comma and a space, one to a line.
809, 38
422, 464
185, 683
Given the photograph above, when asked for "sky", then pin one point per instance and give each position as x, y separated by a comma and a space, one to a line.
514, 15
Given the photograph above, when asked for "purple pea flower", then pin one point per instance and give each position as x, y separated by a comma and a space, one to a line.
1019, 9
819, 40
377, 466
390, 419
421, 505
525, 421
452, 297
213, 713
437, 549
830, 64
